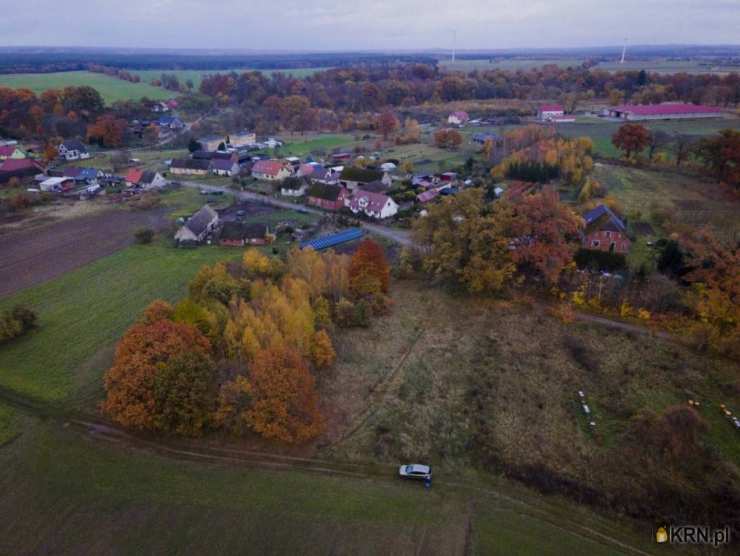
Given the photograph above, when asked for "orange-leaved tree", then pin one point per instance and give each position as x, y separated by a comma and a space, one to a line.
150, 348
285, 403
369, 273
545, 234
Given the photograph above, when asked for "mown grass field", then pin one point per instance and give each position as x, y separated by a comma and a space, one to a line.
196, 76
84, 312
110, 88
8, 423
297, 145
66, 494
662, 65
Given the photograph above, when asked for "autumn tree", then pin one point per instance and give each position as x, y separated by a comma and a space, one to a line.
545, 235
152, 357
285, 402
369, 273
467, 241
322, 350
387, 123
720, 155
107, 130
631, 139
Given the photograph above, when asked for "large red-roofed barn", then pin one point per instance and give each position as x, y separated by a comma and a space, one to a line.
665, 111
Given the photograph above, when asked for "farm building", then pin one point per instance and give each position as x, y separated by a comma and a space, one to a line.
211, 142
191, 167
605, 231
18, 168
198, 226
458, 118
242, 138
293, 187
145, 179
73, 149
354, 178
238, 234
665, 111
171, 122
271, 170
325, 242
11, 151
374, 205
57, 184
548, 112
221, 167
326, 196
427, 196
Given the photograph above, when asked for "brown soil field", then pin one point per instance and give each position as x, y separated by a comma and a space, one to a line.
31, 256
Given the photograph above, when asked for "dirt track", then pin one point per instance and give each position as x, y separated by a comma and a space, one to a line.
29, 257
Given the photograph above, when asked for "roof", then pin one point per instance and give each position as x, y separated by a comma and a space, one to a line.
74, 144
269, 167
220, 164
460, 115
375, 201
352, 173
324, 242
328, 192
134, 175
427, 195
239, 230
376, 186
602, 218
8, 150
200, 220
148, 176
19, 165
190, 164
293, 183
483, 137
666, 109
551, 108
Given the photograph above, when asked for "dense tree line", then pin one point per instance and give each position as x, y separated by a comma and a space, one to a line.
359, 90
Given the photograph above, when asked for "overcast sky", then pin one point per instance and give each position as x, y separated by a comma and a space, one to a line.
369, 24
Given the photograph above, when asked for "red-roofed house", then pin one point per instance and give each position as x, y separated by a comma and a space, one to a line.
18, 168
271, 170
665, 111
374, 205
549, 112
11, 151
458, 118
144, 179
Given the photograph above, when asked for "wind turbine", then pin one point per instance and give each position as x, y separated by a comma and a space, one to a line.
624, 51
454, 44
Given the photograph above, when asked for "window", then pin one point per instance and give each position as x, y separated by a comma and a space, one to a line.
595, 243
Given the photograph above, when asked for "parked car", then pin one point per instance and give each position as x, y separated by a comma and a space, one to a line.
415, 471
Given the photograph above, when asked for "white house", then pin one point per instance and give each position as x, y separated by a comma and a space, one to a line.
73, 149
242, 138
293, 187
271, 170
548, 112
198, 226
458, 118
374, 205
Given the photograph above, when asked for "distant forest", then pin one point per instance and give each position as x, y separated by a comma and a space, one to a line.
21, 60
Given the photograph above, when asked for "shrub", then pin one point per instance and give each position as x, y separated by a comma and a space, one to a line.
600, 260
143, 236
16, 322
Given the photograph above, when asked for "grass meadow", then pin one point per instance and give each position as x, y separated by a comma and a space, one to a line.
196, 76
84, 312
111, 88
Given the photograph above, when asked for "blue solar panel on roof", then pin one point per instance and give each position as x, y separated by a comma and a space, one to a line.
334, 239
